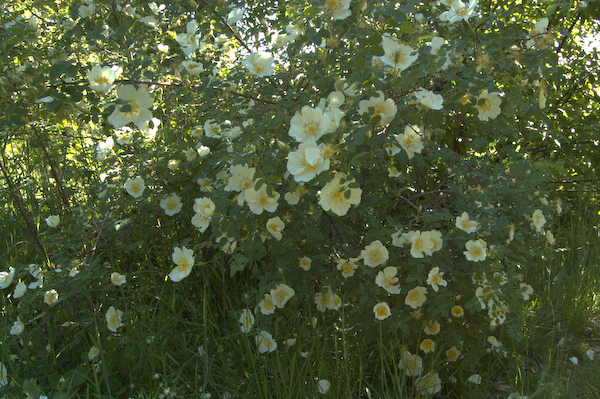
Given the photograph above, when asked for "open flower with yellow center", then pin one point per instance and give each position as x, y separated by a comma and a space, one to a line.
184, 259
398, 56
476, 250
538, 220
497, 312
259, 200
265, 342
385, 108
204, 206
432, 328
322, 300
429, 383
453, 354
281, 294
307, 161
133, 105
421, 244
428, 99
246, 320
113, 319
309, 123
382, 311
275, 226
339, 194
241, 179
190, 40
327, 300
201, 222
387, 280
427, 346
86, 10
436, 238
193, 67
457, 311
526, 290
101, 78
435, 279
118, 279
459, 11
135, 187
51, 297
467, 225
171, 204
259, 64
305, 263
374, 254
416, 297
266, 305
411, 364
293, 197
339, 9
488, 105
410, 140
347, 267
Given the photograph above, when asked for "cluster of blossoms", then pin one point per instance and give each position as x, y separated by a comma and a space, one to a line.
421, 243
204, 208
327, 300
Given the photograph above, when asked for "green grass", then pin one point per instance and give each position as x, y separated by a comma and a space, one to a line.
157, 355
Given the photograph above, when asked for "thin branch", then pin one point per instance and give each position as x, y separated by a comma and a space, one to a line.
229, 27
20, 208
59, 186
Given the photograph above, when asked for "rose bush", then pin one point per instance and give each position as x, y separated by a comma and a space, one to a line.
281, 151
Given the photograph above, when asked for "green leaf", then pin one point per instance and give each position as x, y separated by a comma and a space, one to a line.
238, 264
274, 179
407, 28
133, 246
31, 389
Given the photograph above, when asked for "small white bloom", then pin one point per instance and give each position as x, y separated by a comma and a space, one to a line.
135, 187
53, 220
590, 354
193, 67
93, 353
171, 204
20, 290
259, 64
234, 15
429, 99
17, 328
113, 319
324, 386
101, 78
574, 360
51, 297
246, 320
